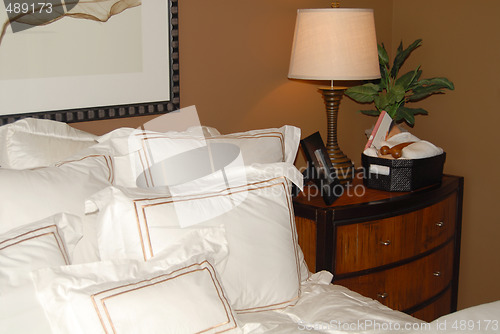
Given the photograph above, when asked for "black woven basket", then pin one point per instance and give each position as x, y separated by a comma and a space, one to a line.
403, 174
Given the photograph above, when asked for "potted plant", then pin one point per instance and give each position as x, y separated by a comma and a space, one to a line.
393, 94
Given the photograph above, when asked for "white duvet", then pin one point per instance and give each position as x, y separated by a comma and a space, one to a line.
328, 308
334, 309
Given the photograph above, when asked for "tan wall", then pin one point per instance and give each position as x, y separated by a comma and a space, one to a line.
461, 40
234, 62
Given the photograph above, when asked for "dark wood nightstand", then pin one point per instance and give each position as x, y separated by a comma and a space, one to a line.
401, 248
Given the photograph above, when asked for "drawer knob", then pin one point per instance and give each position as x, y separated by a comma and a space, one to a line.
440, 224
437, 273
386, 243
382, 295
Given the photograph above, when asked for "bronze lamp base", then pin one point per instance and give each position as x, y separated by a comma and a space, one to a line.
342, 164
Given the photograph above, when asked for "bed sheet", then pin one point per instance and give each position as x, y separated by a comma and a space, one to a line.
322, 308
484, 318
329, 308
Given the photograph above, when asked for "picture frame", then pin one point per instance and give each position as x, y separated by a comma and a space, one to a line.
151, 86
320, 170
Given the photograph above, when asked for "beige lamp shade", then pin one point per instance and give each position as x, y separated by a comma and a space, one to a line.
334, 44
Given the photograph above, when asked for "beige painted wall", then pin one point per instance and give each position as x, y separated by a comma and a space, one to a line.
234, 62
461, 40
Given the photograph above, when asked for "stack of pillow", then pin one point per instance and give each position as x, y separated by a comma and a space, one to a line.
94, 240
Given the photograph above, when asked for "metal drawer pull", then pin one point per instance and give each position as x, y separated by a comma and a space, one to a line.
383, 295
386, 243
437, 273
440, 224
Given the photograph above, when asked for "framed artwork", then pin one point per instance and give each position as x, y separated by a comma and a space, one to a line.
78, 60
320, 169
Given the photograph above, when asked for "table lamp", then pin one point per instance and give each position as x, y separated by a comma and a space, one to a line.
335, 44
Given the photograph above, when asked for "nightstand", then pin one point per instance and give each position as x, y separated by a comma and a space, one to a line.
401, 248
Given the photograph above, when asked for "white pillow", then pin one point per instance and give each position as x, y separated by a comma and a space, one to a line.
49, 242
31, 143
178, 292
141, 150
31, 195
86, 249
265, 261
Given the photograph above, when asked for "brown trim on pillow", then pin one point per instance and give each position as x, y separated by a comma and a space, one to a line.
41, 233
147, 165
225, 192
107, 159
203, 266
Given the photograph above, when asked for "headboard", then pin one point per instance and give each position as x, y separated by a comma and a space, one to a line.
122, 63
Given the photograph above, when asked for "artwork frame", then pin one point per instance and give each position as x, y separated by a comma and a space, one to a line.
320, 169
164, 104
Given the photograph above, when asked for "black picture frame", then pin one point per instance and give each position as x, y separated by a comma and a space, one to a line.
319, 168
141, 108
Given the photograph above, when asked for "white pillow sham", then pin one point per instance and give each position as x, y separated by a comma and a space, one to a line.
265, 263
177, 292
49, 242
138, 151
86, 249
31, 195
30, 143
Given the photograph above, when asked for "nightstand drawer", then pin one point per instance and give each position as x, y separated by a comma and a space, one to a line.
376, 243
438, 308
408, 285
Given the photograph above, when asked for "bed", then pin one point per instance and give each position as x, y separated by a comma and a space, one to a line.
185, 231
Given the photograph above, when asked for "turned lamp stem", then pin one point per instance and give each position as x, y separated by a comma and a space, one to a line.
342, 164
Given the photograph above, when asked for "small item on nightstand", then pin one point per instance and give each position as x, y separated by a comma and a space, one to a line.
396, 151
319, 169
403, 162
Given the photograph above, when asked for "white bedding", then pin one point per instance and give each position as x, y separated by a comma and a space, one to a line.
484, 318
327, 308
322, 308
334, 309
261, 284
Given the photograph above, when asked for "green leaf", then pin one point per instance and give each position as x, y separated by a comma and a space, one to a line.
401, 56
409, 78
381, 101
392, 110
383, 58
384, 74
396, 94
370, 112
441, 82
422, 92
415, 111
406, 114
398, 118
364, 93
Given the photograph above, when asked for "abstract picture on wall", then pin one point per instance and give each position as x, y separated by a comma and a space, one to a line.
77, 60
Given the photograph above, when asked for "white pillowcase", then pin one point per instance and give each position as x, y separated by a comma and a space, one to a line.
31, 143
178, 292
86, 249
49, 242
138, 151
31, 195
265, 262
